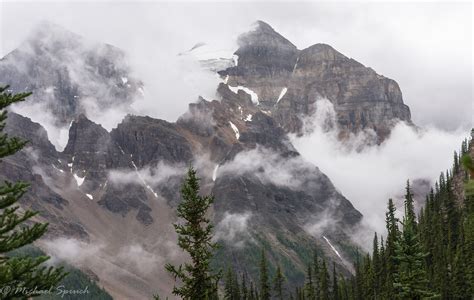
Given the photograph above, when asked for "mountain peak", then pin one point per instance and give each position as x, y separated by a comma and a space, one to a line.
47, 33
264, 26
263, 33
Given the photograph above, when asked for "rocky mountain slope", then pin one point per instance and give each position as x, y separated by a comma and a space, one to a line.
288, 82
113, 194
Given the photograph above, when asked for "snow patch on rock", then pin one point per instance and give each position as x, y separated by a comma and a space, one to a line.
252, 94
282, 93
332, 247
143, 180
235, 129
79, 180
214, 173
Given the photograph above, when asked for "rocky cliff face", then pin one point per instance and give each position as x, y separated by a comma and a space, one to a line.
289, 81
120, 188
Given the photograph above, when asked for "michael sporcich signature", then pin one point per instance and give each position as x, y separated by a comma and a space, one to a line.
59, 290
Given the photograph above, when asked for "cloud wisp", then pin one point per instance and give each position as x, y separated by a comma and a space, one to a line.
269, 167
233, 229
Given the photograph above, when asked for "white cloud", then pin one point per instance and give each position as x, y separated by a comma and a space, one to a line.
138, 259
233, 229
269, 167
148, 176
73, 251
369, 176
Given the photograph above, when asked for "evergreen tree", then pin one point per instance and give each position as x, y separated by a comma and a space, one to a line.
468, 165
231, 286
22, 273
344, 289
393, 234
456, 168
278, 283
245, 292
358, 282
264, 278
410, 279
195, 237
252, 292
410, 206
376, 266
383, 271
309, 287
335, 285
316, 275
324, 282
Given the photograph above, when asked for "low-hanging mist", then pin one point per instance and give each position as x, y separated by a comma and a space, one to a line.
369, 176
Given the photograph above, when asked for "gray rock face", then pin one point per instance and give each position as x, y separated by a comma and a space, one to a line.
92, 154
289, 81
265, 63
39, 164
125, 197
149, 141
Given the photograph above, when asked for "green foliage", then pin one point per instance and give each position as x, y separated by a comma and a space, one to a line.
335, 283
324, 282
309, 286
278, 284
410, 280
195, 237
231, 286
21, 274
264, 278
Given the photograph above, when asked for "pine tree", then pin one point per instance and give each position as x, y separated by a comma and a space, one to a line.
252, 292
231, 286
309, 286
324, 282
358, 280
316, 275
19, 273
228, 284
335, 285
468, 165
456, 168
383, 271
245, 292
410, 206
410, 279
344, 289
195, 237
278, 283
393, 235
264, 278
377, 268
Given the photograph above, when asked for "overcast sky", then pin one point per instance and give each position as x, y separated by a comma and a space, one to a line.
425, 47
